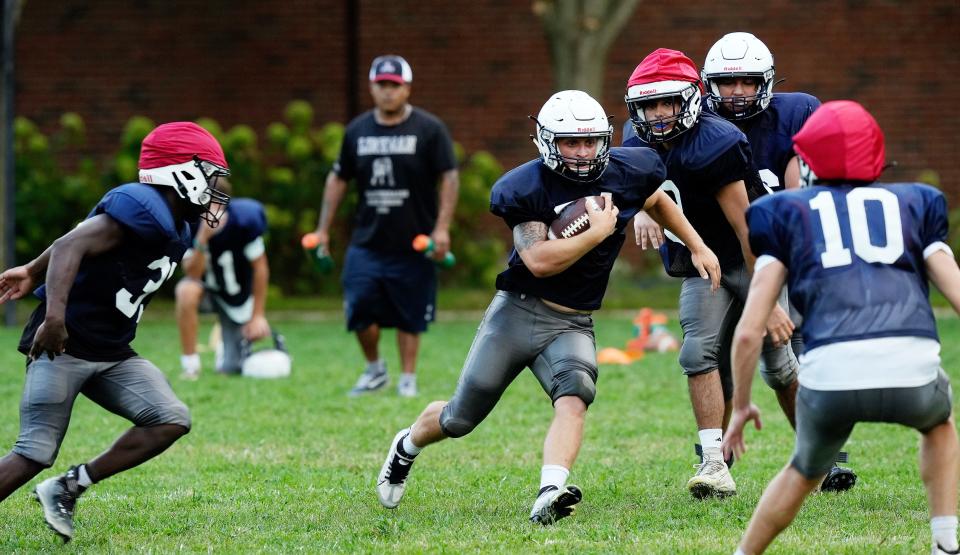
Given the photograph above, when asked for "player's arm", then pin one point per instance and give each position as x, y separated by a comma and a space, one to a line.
747, 342
449, 192
333, 192
791, 175
943, 272
18, 281
546, 258
92, 237
733, 200
665, 212
258, 327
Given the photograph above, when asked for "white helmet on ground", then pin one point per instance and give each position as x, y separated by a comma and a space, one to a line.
266, 363
739, 55
573, 114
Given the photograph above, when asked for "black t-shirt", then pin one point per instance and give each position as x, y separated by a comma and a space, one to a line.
396, 169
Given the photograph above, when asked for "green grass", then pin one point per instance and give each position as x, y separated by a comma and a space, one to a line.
289, 465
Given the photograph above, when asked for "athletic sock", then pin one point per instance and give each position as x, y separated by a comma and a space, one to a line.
739, 552
711, 439
408, 448
376, 367
553, 475
190, 363
83, 478
944, 529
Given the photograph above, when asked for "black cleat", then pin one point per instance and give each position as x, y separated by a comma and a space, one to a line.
554, 503
58, 497
839, 479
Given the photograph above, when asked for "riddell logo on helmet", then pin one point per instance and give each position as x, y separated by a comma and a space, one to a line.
146, 178
732, 68
648, 91
586, 129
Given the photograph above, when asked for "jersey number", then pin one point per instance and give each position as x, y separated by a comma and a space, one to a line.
671, 189
838, 255
230, 283
130, 306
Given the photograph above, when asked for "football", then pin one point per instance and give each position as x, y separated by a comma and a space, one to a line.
572, 219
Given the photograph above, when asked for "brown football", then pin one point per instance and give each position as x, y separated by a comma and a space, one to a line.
573, 219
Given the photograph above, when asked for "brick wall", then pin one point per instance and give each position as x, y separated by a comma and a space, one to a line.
482, 66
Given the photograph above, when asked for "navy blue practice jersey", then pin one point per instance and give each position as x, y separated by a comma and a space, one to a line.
396, 169
533, 193
855, 256
111, 290
700, 162
771, 135
229, 273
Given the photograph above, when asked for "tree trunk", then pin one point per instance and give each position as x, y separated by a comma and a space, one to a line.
580, 33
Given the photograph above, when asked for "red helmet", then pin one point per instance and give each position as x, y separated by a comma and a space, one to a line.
841, 141
188, 158
664, 73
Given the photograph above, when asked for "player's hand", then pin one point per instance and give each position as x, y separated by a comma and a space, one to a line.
50, 339
603, 222
706, 262
779, 326
323, 241
15, 283
733, 437
256, 328
647, 231
441, 243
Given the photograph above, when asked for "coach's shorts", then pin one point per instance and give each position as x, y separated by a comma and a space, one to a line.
133, 388
519, 331
826, 418
393, 290
709, 319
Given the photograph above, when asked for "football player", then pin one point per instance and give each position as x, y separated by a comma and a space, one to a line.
99, 277
232, 262
739, 76
540, 315
856, 256
712, 179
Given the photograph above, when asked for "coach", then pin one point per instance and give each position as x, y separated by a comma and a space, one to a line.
396, 155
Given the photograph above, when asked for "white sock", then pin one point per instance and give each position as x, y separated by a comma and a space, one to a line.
944, 529
409, 447
553, 475
83, 478
739, 552
190, 363
710, 440
376, 367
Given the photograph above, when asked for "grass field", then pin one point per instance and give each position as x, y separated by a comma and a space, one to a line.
280, 466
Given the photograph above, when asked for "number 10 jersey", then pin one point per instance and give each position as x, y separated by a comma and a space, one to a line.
855, 257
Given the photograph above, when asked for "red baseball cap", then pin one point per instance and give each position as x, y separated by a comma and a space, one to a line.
664, 64
841, 141
177, 143
391, 68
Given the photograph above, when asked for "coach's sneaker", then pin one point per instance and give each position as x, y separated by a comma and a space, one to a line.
712, 479
938, 550
58, 497
554, 503
374, 378
392, 480
407, 386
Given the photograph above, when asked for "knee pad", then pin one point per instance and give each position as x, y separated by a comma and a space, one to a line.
694, 358
454, 426
176, 413
779, 378
578, 379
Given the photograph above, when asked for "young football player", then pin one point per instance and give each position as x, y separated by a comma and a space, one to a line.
99, 277
856, 256
712, 179
231, 261
540, 315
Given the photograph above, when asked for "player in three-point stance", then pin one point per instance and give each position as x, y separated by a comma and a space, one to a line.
540, 316
856, 256
99, 277
739, 76
711, 175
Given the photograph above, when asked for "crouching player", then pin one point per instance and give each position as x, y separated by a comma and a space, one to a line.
540, 315
856, 256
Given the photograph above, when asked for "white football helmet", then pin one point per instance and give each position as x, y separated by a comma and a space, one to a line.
266, 363
684, 118
573, 114
739, 55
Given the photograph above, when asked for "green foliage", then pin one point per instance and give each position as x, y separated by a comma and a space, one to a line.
286, 171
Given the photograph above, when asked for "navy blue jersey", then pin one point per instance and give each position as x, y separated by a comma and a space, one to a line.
771, 134
855, 257
229, 274
396, 169
111, 290
532, 193
700, 162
